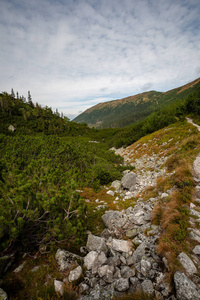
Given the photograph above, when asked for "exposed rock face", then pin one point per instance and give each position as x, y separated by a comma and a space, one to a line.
185, 288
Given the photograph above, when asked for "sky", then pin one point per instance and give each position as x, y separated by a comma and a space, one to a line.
73, 54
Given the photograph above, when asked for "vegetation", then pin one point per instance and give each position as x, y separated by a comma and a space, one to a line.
125, 112
49, 165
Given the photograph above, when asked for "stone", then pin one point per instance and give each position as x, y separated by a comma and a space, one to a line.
3, 295
111, 193
187, 263
164, 195
11, 128
96, 243
185, 288
122, 245
5, 263
75, 274
67, 260
195, 213
59, 287
196, 250
83, 287
114, 219
194, 236
129, 181
90, 259
19, 268
131, 233
147, 287
127, 272
116, 184
145, 266
121, 284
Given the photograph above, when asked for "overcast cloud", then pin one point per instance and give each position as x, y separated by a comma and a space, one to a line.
73, 54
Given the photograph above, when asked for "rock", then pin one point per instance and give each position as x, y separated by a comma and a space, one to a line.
11, 128
114, 219
19, 268
185, 288
145, 266
96, 243
121, 284
100, 260
121, 245
187, 263
127, 272
111, 193
90, 259
196, 250
5, 263
131, 233
75, 274
164, 195
83, 287
116, 184
59, 287
129, 181
3, 295
66, 259
194, 236
147, 287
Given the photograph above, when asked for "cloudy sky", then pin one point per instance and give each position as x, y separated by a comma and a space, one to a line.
73, 54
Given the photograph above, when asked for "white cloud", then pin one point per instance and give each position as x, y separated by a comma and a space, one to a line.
71, 54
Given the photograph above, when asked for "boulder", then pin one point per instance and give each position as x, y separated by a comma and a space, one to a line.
96, 243
187, 263
67, 260
75, 274
129, 181
121, 245
89, 259
185, 288
131, 233
147, 287
145, 266
59, 287
116, 184
121, 284
114, 219
127, 272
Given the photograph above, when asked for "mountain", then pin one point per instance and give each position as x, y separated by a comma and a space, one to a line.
126, 111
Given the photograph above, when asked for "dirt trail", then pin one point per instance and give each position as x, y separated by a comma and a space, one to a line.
196, 164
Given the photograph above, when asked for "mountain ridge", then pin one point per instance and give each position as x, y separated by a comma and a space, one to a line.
128, 110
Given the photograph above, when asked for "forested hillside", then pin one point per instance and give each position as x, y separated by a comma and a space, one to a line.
126, 111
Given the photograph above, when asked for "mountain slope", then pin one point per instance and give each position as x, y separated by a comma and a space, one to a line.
123, 112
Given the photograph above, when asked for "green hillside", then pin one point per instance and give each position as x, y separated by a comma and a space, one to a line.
126, 111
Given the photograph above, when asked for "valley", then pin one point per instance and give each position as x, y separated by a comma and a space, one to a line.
83, 217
